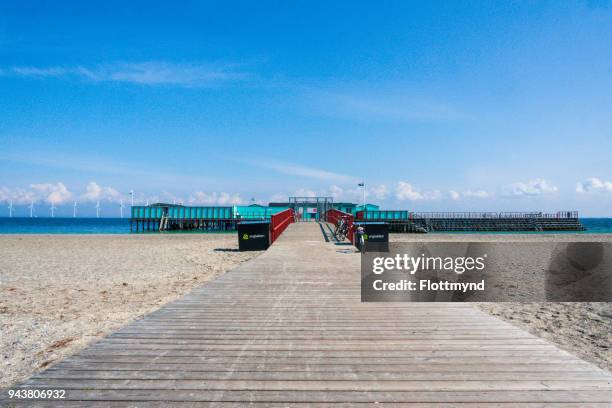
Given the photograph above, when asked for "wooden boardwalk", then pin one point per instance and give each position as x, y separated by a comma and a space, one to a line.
288, 329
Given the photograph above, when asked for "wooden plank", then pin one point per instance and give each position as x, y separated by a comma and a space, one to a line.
523, 360
352, 367
292, 396
240, 404
269, 374
326, 385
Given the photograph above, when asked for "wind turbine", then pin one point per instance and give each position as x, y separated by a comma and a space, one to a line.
98, 209
132, 197
74, 209
121, 207
31, 208
10, 207
52, 209
147, 202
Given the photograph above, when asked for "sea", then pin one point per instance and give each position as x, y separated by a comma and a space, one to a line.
48, 225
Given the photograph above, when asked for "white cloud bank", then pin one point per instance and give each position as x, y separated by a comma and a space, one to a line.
214, 198
51, 193
404, 191
58, 194
95, 192
380, 192
593, 184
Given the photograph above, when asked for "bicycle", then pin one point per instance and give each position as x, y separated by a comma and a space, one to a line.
342, 229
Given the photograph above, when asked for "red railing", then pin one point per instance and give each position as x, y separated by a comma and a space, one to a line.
332, 216
278, 223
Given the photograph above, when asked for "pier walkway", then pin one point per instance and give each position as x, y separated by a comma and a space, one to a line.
288, 329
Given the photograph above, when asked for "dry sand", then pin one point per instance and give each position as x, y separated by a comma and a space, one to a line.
60, 292
583, 329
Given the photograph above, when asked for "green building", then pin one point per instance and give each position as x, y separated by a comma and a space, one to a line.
256, 211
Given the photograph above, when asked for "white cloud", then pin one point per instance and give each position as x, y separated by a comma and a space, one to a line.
52, 193
17, 195
380, 192
405, 191
214, 198
95, 192
535, 187
143, 73
593, 184
59, 194
454, 195
302, 192
336, 192
229, 199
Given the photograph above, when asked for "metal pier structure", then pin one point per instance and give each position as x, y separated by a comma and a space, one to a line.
173, 217
407, 221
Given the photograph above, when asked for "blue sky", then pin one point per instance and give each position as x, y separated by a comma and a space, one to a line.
446, 106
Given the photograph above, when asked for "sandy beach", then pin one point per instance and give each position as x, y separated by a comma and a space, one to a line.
59, 293
583, 329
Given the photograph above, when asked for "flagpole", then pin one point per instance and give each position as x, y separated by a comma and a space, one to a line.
364, 203
362, 185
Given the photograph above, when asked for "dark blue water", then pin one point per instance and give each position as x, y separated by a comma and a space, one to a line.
597, 225
18, 225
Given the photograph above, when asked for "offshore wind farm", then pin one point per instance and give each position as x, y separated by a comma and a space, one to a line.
176, 217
